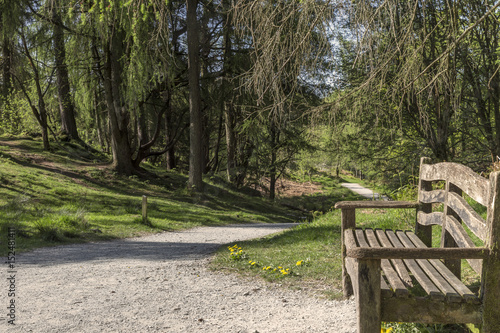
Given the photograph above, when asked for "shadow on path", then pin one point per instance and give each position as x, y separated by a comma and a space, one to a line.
185, 245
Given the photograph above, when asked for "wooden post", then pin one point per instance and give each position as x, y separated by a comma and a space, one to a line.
490, 285
367, 292
144, 209
424, 232
348, 222
454, 265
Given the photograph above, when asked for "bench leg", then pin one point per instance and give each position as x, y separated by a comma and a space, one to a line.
490, 291
346, 282
367, 292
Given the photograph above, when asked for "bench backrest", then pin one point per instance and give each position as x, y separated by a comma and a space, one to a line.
457, 214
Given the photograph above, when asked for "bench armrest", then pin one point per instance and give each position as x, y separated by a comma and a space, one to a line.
416, 253
376, 204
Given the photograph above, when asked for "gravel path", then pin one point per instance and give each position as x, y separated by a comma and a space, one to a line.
160, 283
365, 192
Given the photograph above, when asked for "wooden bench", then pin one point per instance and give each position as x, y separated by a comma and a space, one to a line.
397, 276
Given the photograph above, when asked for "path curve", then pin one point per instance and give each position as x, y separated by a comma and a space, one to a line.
160, 283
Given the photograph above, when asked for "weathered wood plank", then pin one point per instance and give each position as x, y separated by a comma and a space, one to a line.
429, 287
424, 232
352, 269
385, 290
428, 219
456, 283
397, 263
454, 227
455, 265
348, 220
360, 237
421, 310
436, 196
465, 178
367, 292
428, 253
391, 275
376, 204
450, 293
468, 215
490, 288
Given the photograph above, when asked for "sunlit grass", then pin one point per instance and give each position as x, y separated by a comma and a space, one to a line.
41, 193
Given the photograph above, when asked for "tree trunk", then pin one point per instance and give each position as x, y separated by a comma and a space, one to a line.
41, 112
118, 116
169, 137
228, 100
7, 77
274, 144
195, 128
66, 108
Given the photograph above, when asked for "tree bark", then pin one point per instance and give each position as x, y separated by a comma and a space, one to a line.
228, 101
66, 107
118, 115
195, 128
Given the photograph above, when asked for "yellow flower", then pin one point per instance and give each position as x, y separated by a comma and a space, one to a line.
300, 262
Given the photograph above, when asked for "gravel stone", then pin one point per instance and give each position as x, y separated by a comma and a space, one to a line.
160, 283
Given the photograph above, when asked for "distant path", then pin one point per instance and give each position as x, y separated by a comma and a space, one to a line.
160, 283
365, 192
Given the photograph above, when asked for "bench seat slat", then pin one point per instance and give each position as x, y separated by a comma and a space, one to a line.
429, 287
397, 263
350, 237
391, 275
450, 293
455, 282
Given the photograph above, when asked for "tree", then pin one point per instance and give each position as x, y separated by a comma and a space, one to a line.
195, 130
66, 107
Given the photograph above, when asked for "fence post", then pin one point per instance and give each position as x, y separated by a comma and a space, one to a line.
144, 209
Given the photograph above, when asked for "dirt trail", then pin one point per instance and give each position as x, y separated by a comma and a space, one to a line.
160, 283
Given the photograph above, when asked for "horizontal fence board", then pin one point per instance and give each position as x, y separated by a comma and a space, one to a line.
475, 186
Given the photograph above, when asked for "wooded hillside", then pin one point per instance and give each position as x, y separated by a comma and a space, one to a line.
251, 89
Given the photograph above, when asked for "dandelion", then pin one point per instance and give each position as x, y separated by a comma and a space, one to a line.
300, 262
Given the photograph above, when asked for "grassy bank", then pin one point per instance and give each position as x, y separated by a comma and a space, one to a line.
70, 195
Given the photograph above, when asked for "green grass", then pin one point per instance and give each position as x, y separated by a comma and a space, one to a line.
318, 243
69, 195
